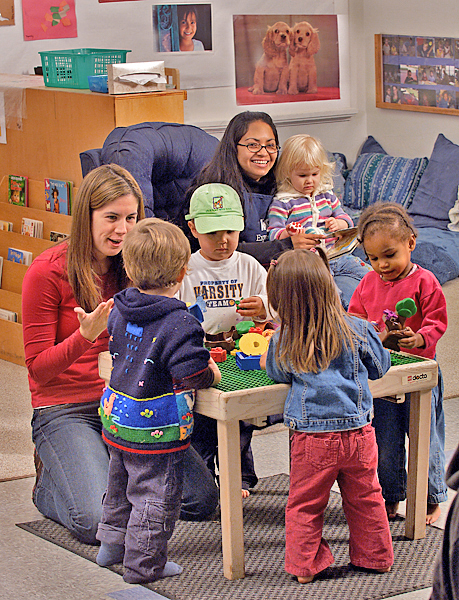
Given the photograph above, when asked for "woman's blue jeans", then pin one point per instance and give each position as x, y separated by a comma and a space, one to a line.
347, 272
75, 466
391, 423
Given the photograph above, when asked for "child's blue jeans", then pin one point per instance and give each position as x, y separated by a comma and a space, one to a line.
140, 508
391, 423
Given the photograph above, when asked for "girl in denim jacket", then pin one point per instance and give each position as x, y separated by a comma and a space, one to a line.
327, 357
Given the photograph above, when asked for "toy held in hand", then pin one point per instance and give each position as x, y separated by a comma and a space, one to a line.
293, 228
395, 322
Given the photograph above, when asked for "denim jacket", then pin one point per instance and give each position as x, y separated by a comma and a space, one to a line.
339, 398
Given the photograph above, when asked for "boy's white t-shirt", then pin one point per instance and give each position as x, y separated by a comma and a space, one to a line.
221, 283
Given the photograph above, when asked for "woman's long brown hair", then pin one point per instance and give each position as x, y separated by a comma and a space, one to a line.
100, 187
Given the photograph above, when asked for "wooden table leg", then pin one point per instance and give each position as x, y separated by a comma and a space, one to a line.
418, 465
229, 466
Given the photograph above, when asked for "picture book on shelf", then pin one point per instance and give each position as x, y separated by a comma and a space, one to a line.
23, 257
58, 196
6, 226
57, 236
8, 315
17, 190
32, 227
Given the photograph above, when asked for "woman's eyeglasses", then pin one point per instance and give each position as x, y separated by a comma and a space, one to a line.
256, 147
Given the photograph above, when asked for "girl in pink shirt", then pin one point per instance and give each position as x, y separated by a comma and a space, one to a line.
388, 237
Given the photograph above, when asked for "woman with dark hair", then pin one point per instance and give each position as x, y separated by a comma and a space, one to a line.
245, 160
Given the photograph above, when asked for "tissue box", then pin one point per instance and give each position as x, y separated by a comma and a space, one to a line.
132, 78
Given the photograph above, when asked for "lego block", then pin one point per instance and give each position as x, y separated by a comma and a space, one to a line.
248, 363
218, 354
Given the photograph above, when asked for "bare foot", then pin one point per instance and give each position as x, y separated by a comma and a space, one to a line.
391, 509
384, 570
245, 493
305, 579
433, 512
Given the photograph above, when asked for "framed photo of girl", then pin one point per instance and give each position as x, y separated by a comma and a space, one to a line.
182, 27
417, 73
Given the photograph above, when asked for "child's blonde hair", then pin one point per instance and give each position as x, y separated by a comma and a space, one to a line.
298, 152
154, 254
388, 217
314, 327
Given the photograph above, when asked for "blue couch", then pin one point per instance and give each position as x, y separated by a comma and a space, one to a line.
426, 187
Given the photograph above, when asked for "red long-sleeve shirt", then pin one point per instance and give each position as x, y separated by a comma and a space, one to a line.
373, 295
62, 365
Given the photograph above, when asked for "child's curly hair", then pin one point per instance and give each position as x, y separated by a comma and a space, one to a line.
383, 216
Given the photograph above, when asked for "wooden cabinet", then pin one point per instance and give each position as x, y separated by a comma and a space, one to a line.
58, 124
55, 126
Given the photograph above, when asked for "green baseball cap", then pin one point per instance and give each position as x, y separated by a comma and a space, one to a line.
216, 207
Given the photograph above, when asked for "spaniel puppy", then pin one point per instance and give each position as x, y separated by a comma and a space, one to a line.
304, 43
271, 71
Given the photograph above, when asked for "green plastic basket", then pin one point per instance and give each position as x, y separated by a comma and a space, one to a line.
71, 68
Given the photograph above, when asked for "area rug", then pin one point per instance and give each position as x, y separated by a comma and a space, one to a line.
197, 547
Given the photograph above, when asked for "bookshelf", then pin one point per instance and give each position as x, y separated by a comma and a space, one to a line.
57, 124
11, 345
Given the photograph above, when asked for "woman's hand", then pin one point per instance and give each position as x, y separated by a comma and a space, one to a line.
94, 323
252, 307
306, 241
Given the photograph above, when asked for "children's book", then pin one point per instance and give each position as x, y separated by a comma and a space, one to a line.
57, 236
24, 257
8, 315
58, 196
345, 244
32, 227
17, 190
6, 226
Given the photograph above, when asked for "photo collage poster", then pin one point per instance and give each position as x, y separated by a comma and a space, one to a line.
421, 71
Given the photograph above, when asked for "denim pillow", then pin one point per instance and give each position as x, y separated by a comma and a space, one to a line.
380, 177
339, 173
438, 189
371, 146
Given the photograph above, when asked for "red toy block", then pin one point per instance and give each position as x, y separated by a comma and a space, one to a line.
218, 354
256, 330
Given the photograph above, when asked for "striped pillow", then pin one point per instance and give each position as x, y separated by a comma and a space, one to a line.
379, 177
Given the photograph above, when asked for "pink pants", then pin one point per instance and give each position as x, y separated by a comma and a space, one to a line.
317, 461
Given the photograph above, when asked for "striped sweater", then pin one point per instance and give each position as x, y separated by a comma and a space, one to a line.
310, 211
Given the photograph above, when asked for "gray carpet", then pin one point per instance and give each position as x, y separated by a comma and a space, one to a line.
197, 547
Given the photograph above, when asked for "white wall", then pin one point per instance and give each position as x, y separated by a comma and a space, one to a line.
407, 133
128, 25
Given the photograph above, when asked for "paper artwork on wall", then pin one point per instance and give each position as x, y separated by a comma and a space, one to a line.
286, 58
6, 12
45, 20
182, 28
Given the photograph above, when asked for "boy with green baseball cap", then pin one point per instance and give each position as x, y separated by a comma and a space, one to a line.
222, 276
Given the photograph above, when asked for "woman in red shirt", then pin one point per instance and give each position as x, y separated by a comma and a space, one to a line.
67, 296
